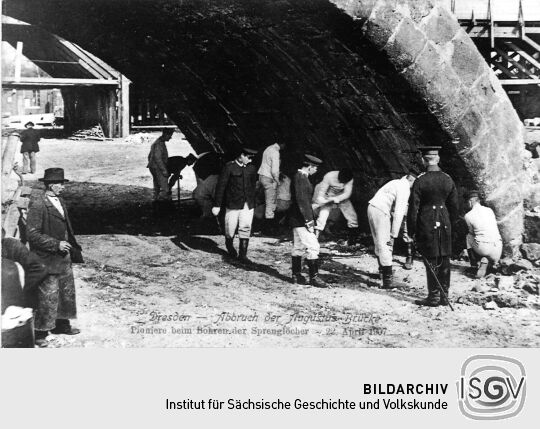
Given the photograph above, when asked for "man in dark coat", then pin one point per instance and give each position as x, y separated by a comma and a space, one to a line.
302, 221
236, 189
34, 273
29, 139
50, 236
433, 209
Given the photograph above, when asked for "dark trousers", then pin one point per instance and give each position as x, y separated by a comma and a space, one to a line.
441, 268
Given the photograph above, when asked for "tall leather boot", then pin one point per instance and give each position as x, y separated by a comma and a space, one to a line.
433, 299
409, 259
444, 277
297, 277
314, 280
352, 239
387, 277
242, 251
473, 259
230, 247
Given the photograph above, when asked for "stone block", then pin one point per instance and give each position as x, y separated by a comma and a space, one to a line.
419, 10
405, 44
531, 251
532, 200
360, 9
382, 23
440, 25
471, 126
466, 60
531, 223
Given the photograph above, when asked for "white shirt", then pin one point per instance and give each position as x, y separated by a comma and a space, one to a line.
56, 203
394, 194
331, 187
482, 224
270, 162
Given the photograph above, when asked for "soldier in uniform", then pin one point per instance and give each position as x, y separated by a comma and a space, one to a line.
302, 221
236, 188
433, 208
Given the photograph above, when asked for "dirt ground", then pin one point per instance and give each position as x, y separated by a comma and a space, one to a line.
165, 281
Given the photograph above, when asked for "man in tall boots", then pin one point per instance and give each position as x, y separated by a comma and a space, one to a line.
236, 188
302, 221
433, 208
385, 214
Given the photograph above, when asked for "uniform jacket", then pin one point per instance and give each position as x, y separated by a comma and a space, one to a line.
433, 208
46, 227
236, 186
29, 139
158, 156
301, 211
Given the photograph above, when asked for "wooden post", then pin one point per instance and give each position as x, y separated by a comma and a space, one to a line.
123, 107
7, 163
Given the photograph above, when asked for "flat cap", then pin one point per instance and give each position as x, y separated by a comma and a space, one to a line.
248, 151
473, 193
429, 150
313, 160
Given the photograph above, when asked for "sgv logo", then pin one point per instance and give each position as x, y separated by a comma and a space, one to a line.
491, 387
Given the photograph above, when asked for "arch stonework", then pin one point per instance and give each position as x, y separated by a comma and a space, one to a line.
362, 82
426, 44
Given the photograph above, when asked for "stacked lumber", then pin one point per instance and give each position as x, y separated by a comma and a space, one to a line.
94, 133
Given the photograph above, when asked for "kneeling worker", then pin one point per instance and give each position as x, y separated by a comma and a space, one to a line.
335, 191
302, 221
484, 241
236, 187
385, 224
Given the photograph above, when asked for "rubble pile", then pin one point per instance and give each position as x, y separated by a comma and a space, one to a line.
516, 290
140, 138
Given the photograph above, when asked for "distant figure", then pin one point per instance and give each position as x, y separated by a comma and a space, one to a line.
29, 139
157, 163
484, 241
335, 191
205, 195
269, 179
236, 189
283, 199
385, 214
175, 165
51, 237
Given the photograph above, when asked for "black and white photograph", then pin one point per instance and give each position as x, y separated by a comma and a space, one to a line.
270, 173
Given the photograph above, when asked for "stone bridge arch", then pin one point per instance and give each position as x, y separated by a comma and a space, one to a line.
361, 82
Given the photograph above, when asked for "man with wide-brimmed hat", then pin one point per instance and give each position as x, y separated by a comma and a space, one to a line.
29, 147
433, 209
51, 237
236, 190
302, 221
484, 243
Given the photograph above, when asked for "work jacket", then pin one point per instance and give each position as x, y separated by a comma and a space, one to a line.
236, 186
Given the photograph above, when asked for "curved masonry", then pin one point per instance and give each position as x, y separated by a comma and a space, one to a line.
361, 82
